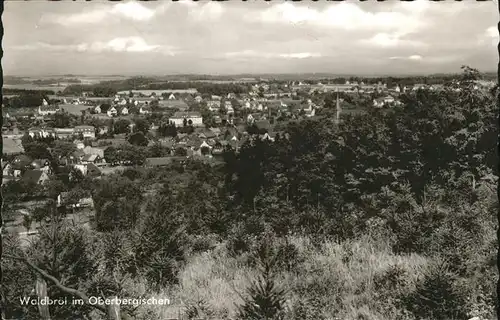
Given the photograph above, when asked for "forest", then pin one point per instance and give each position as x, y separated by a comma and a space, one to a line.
386, 215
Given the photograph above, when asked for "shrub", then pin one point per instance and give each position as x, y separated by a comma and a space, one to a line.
437, 296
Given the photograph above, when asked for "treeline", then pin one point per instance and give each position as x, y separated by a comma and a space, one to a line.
110, 88
25, 98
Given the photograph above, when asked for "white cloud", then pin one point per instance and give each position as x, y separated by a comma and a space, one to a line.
492, 32
386, 40
301, 55
270, 55
208, 11
134, 11
126, 44
415, 57
347, 16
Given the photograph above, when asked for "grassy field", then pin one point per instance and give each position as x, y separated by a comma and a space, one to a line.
74, 109
341, 277
34, 87
12, 146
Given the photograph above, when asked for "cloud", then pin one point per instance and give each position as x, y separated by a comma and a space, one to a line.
385, 40
492, 35
134, 11
269, 55
208, 11
301, 55
347, 16
415, 57
124, 44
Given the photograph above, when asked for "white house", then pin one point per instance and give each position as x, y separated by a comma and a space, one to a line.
171, 97
112, 112
46, 110
86, 131
378, 103
98, 109
124, 111
389, 99
229, 110
193, 118
213, 105
198, 99
250, 118
144, 110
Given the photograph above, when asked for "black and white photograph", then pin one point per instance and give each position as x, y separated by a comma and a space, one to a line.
250, 160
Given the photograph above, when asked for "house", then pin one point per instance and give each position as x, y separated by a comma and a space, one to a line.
192, 118
124, 111
213, 105
64, 132
41, 164
378, 103
268, 136
201, 148
20, 164
91, 158
7, 170
41, 132
98, 109
46, 110
388, 100
216, 131
35, 176
64, 198
144, 110
77, 156
79, 144
172, 97
206, 134
93, 170
82, 168
94, 150
229, 110
86, 131
198, 99
214, 97
250, 119
112, 111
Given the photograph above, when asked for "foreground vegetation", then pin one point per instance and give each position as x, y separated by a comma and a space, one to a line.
389, 215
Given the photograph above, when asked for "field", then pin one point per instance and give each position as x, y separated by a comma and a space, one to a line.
12, 146
74, 109
159, 92
33, 87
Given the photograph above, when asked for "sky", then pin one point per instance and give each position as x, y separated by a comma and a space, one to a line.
235, 37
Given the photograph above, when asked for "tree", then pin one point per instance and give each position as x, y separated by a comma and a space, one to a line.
181, 152
138, 139
141, 125
62, 149
167, 130
62, 120
117, 201
121, 126
37, 150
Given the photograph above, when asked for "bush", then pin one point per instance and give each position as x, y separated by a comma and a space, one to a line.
437, 296
265, 299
